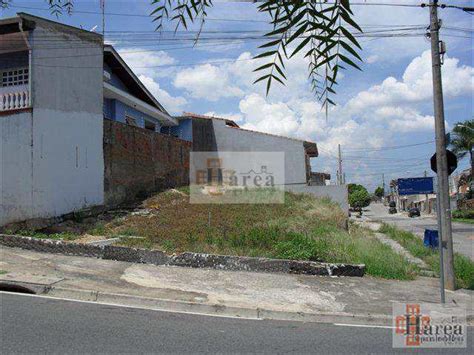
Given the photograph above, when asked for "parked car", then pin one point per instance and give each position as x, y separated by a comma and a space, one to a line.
392, 204
414, 212
392, 210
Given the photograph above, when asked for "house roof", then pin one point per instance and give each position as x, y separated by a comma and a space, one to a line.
195, 115
310, 147
29, 20
128, 77
111, 56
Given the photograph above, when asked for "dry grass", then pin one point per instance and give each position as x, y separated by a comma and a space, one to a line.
303, 228
175, 224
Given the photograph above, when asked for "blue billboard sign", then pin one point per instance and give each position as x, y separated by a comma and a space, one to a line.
415, 186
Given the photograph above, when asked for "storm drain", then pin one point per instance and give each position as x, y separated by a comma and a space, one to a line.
11, 287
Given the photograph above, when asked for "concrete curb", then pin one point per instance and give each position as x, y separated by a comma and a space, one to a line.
221, 310
187, 259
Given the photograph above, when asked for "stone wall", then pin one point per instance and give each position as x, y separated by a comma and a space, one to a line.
138, 162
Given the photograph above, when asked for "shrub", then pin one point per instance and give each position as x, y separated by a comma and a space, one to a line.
465, 214
359, 198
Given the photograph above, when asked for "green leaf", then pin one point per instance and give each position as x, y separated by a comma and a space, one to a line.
347, 6
265, 66
265, 54
348, 61
280, 71
350, 50
295, 35
300, 46
277, 79
347, 18
269, 83
270, 44
350, 36
262, 78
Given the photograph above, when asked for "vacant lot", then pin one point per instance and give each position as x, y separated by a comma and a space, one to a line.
303, 228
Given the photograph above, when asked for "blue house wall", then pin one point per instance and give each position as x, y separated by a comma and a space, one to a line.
114, 80
184, 130
117, 111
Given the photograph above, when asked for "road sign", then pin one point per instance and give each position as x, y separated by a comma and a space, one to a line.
415, 186
452, 162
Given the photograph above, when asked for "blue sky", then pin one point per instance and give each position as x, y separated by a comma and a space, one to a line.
388, 104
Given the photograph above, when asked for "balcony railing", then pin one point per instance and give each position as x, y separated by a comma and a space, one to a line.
14, 98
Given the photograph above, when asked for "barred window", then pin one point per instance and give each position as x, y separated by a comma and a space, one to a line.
14, 77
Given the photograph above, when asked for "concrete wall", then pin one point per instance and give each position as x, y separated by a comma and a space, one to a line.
16, 175
337, 193
139, 161
52, 157
233, 139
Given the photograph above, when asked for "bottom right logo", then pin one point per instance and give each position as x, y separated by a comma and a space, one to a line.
427, 325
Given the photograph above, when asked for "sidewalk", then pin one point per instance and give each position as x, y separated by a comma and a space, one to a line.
230, 293
463, 234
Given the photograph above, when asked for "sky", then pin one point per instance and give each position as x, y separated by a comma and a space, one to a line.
380, 110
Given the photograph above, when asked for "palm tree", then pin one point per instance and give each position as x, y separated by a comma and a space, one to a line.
462, 141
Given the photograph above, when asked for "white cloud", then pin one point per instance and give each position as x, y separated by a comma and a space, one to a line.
372, 58
260, 115
170, 103
416, 85
206, 81
145, 62
369, 120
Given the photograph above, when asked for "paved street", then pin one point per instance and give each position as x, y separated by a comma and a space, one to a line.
463, 234
33, 324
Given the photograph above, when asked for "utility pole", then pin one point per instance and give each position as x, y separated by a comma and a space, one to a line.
444, 213
427, 200
340, 174
102, 5
383, 188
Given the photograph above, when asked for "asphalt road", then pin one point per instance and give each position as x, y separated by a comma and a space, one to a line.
463, 233
31, 324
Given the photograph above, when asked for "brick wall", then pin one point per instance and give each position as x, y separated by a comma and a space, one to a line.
138, 162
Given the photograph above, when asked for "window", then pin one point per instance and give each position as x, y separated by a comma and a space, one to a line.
131, 121
14, 77
150, 125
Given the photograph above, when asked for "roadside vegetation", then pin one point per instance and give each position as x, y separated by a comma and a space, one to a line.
303, 228
463, 216
463, 266
359, 197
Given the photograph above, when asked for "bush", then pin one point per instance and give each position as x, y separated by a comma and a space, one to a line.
359, 198
379, 192
465, 214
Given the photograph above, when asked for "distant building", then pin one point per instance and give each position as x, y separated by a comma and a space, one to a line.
424, 202
219, 134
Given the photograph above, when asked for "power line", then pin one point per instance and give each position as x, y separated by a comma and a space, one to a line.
207, 19
390, 147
